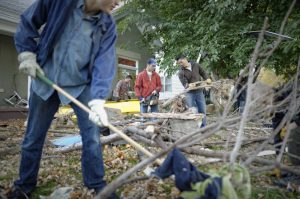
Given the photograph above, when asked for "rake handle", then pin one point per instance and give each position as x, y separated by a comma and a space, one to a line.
86, 109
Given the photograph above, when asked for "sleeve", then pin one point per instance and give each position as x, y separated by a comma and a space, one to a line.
138, 86
104, 68
202, 72
183, 80
31, 21
158, 84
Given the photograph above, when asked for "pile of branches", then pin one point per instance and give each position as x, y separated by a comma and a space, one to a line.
255, 111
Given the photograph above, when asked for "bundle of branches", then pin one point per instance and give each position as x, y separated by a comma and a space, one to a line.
220, 91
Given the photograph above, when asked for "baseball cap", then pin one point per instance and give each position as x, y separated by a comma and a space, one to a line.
152, 62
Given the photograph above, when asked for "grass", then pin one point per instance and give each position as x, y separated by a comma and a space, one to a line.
272, 193
45, 189
167, 188
8, 177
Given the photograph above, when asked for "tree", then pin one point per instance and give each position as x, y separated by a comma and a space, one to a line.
217, 27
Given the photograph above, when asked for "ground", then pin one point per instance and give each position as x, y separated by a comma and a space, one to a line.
64, 170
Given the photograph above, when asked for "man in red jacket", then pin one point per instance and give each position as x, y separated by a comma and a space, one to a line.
147, 87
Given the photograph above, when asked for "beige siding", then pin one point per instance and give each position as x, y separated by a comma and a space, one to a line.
176, 88
10, 79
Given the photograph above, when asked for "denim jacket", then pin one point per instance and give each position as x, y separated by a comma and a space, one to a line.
52, 14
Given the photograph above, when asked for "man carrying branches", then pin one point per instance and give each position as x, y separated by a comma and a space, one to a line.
189, 73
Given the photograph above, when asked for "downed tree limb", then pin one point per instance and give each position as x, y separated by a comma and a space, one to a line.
138, 131
226, 156
104, 140
147, 137
145, 140
111, 187
217, 86
9, 151
122, 179
246, 141
63, 131
180, 116
203, 84
159, 141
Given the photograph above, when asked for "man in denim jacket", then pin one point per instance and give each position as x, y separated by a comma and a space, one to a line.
76, 50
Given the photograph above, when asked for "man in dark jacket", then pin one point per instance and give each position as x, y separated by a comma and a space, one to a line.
191, 72
76, 50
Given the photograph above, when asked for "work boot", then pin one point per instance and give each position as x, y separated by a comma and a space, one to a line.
17, 193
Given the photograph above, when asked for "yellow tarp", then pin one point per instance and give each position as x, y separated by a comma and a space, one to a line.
268, 77
65, 110
130, 106
126, 107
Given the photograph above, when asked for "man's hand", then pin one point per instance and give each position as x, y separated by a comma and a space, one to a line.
208, 81
28, 64
154, 92
98, 114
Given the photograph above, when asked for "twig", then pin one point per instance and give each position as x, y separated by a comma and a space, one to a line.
291, 112
249, 92
180, 116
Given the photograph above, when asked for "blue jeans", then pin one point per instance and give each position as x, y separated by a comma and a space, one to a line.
144, 108
41, 114
195, 98
241, 101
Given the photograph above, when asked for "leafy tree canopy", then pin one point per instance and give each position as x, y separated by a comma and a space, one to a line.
216, 27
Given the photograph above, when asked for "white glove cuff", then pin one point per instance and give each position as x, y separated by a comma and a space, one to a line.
96, 102
26, 56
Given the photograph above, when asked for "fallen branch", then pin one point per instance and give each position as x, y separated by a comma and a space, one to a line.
9, 151
122, 179
180, 116
246, 141
203, 84
138, 131
144, 140
226, 156
63, 131
104, 140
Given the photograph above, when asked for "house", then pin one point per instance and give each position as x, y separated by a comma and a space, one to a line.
131, 58
171, 86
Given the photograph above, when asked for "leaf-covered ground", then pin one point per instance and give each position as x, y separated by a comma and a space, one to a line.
64, 170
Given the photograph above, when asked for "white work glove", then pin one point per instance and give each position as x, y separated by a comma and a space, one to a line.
208, 81
28, 64
98, 114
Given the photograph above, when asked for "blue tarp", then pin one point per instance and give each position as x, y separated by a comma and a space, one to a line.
67, 141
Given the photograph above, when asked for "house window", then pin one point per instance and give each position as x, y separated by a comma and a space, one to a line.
127, 67
166, 84
127, 62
